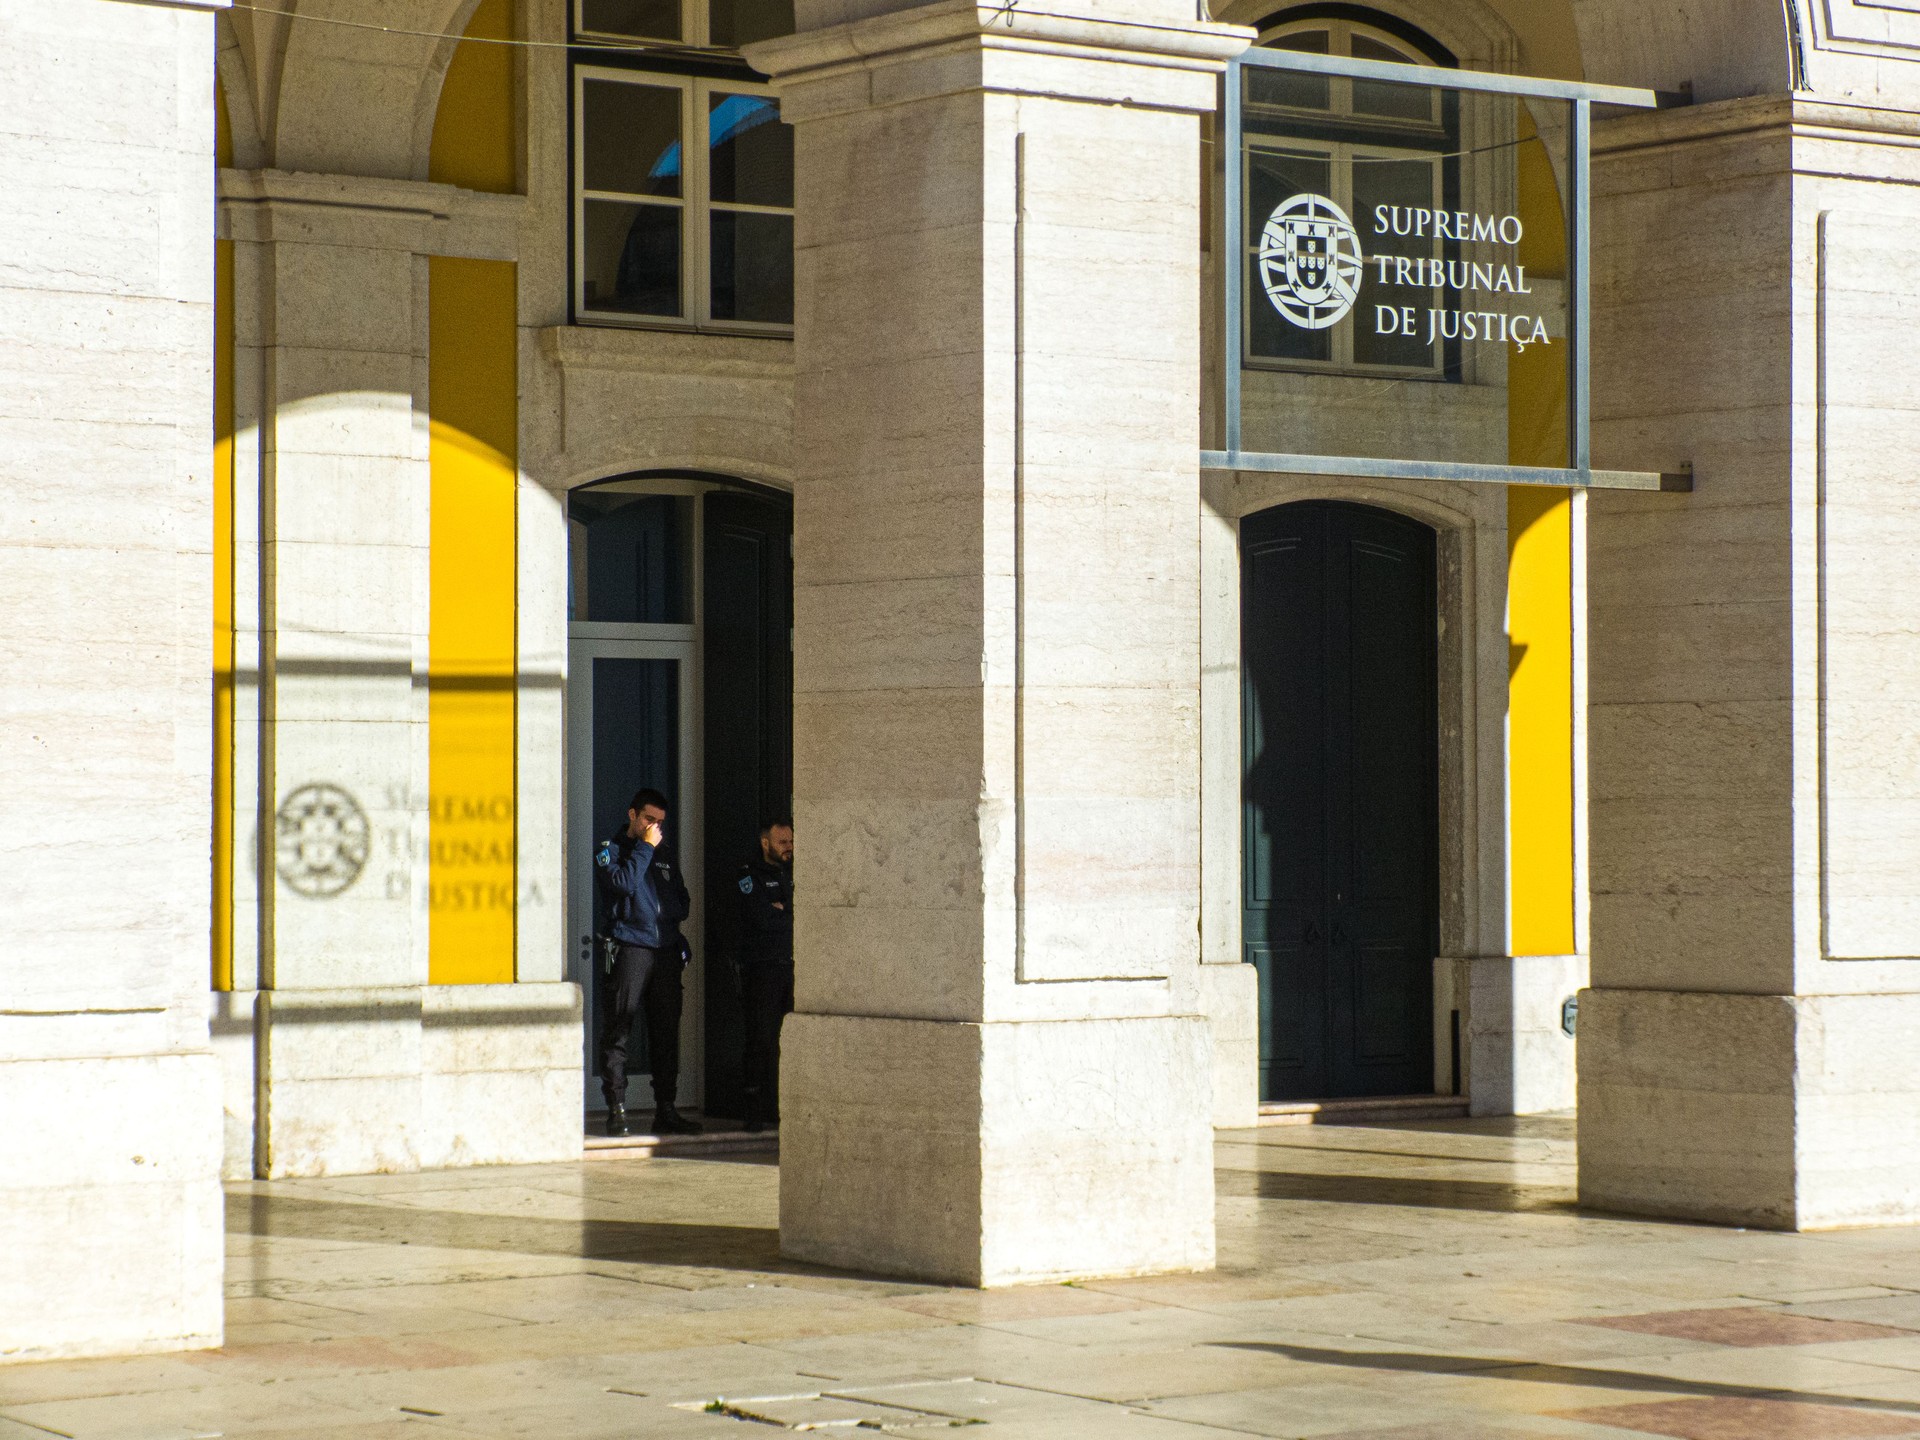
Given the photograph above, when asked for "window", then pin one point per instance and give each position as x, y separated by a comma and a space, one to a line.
1361, 144
683, 183
697, 24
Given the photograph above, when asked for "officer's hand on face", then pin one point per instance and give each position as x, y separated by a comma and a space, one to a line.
645, 825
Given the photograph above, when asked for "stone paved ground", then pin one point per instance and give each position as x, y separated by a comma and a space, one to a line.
1417, 1282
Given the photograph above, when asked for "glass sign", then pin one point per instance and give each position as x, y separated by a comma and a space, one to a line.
1408, 288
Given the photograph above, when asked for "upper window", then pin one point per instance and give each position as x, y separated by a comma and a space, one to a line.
683, 183
1361, 144
1339, 95
727, 24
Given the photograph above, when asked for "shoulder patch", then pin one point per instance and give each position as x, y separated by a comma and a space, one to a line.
603, 857
746, 884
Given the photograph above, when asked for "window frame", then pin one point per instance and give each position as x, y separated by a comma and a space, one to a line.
1339, 156
1340, 35
1340, 153
694, 28
695, 202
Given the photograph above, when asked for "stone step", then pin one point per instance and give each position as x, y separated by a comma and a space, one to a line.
1363, 1110
641, 1145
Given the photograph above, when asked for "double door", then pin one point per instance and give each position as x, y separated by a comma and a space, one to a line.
1339, 733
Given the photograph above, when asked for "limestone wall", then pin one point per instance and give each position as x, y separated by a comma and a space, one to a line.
110, 1206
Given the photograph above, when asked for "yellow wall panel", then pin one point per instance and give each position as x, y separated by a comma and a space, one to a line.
223, 543
1540, 602
474, 137
472, 381
1540, 718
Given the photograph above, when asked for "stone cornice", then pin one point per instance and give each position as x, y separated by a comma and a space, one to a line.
420, 215
668, 352
964, 29
1788, 115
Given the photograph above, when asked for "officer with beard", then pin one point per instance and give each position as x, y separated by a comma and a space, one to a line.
766, 966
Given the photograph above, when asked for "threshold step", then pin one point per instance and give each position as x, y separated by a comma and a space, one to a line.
1362, 1109
641, 1145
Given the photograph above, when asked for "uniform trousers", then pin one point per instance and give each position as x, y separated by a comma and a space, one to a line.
642, 980
768, 994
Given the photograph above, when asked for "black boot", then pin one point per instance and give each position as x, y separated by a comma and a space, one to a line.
617, 1121
669, 1121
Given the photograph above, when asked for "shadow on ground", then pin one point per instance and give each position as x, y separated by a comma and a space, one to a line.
1548, 1374
715, 1247
1423, 1193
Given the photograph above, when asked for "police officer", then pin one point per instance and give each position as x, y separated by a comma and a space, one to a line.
646, 901
766, 966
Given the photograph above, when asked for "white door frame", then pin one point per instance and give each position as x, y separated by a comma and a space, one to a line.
587, 642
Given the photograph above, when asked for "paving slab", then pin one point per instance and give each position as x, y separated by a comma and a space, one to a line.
1400, 1281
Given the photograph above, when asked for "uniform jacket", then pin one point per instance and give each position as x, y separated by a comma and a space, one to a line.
646, 898
766, 934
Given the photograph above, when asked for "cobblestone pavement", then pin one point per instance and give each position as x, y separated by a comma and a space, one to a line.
1427, 1281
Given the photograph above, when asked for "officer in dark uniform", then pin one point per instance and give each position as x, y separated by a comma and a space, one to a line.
766, 966
646, 901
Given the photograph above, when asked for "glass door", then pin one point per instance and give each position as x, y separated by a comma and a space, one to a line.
631, 721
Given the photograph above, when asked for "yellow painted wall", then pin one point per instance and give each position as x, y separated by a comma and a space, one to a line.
472, 381
474, 134
1540, 602
223, 333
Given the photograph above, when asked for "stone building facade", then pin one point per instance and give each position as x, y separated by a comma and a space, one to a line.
432, 420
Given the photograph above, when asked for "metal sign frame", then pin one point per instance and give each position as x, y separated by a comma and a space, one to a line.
1580, 474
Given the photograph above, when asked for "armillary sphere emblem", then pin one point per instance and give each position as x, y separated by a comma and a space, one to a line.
321, 840
1310, 261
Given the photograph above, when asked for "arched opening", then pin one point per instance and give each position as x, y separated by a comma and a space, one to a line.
679, 678
1340, 797
1358, 31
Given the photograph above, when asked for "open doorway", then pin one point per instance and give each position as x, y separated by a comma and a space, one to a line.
679, 678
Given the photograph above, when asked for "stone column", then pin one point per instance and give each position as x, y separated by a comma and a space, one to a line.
111, 1230
998, 1071
1750, 1049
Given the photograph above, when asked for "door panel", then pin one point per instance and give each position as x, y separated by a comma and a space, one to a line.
748, 669
637, 707
1340, 732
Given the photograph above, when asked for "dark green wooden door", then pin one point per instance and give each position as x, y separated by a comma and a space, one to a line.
747, 609
1339, 724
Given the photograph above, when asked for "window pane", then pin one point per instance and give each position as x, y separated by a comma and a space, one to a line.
1272, 179
1395, 102
741, 22
1410, 184
631, 138
752, 267
1278, 87
646, 19
632, 258
752, 160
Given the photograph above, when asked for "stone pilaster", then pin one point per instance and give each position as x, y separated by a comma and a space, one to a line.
110, 1207
998, 1070
1748, 1049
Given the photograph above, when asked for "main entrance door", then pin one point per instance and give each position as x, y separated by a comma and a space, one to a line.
1339, 717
